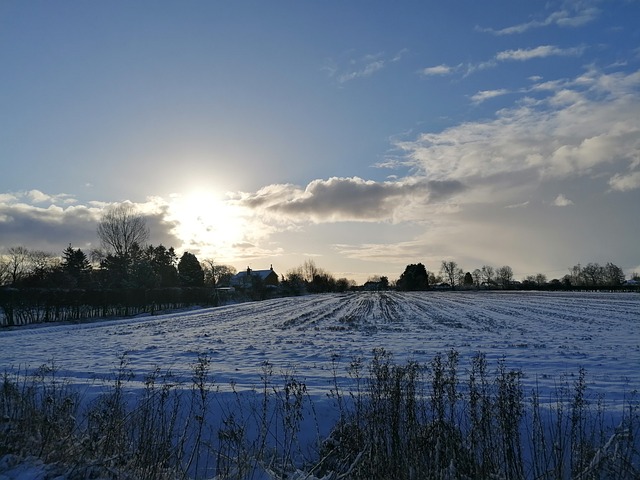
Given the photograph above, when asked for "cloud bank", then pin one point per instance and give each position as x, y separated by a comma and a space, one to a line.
50, 222
350, 199
587, 126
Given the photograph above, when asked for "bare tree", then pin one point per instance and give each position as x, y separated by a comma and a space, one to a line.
4, 270
487, 274
121, 227
450, 270
42, 264
18, 264
477, 277
434, 279
613, 275
593, 273
310, 270
541, 279
216, 274
505, 276
41, 261
576, 275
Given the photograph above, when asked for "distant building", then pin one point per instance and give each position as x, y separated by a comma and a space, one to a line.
247, 278
371, 286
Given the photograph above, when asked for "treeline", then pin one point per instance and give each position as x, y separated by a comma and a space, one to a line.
125, 277
451, 276
310, 278
38, 287
23, 306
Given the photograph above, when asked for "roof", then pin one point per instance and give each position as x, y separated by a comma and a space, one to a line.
253, 273
246, 276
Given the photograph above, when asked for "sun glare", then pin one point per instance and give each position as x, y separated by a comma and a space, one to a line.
206, 222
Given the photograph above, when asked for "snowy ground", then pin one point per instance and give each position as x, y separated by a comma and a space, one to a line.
549, 336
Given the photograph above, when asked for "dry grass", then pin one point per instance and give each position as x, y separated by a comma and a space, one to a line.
400, 421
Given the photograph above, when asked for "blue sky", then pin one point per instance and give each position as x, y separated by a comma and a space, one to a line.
363, 135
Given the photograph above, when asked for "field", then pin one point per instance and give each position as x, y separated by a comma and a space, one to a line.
548, 336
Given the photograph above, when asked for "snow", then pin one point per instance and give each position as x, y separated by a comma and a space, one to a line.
549, 336
544, 334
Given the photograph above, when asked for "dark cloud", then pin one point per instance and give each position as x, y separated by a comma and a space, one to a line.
349, 199
443, 189
161, 229
345, 198
50, 229
53, 228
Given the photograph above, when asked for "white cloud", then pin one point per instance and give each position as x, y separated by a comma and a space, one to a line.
582, 15
8, 198
518, 205
400, 55
488, 94
562, 201
361, 67
366, 71
521, 55
625, 182
36, 196
437, 70
576, 14
587, 126
541, 51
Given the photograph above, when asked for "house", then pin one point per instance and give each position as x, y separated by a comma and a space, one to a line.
247, 278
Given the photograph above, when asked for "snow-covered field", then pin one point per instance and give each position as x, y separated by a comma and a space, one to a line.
547, 335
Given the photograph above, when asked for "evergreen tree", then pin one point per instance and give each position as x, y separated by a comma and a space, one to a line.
76, 266
163, 262
413, 278
190, 271
114, 271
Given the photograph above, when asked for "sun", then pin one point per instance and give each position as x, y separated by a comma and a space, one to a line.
207, 222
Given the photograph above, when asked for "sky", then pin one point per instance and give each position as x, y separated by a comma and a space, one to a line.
363, 135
